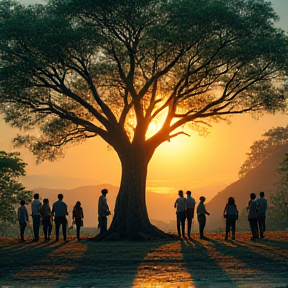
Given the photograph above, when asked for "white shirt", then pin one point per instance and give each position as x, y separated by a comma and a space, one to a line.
180, 204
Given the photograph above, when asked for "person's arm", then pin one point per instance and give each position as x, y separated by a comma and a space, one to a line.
26, 214
39, 208
206, 212
82, 214
225, 210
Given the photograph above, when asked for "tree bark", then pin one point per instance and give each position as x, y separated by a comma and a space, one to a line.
131, 219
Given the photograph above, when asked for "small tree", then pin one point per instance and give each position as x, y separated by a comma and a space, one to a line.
11, 191
271, 141
135, 73
279, 200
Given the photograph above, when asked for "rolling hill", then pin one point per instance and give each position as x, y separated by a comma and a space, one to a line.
261, 178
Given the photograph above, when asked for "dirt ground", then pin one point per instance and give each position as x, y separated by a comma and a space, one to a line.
172, 263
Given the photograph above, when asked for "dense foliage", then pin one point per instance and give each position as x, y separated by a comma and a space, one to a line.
265, 147
278, 209
11, 191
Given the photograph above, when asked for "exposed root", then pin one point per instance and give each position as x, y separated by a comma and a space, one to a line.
153, 233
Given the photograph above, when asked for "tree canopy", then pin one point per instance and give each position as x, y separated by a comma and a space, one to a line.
279, 198
11, 191
262, 149
136, 73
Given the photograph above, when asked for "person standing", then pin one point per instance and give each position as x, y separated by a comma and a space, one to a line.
36, 216
262, 207
46, 219
103, 211
59, 211
190, 203
201, 215
180, 205
231, 215
22, 219
77, 217
252, 216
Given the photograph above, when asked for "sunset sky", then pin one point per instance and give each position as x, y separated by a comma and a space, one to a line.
196, 163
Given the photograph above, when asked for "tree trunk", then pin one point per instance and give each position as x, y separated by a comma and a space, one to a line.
130, 216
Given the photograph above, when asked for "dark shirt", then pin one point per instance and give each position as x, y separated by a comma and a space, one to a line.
59, 209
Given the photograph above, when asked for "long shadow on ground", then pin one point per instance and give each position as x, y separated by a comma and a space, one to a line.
202, 265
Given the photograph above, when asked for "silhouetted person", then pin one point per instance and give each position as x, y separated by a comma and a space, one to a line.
22, 219
78, 217
252, 216
262, 207
36, 216
46, 219
231, 215
201, 215
190, 205
180, 205
59, 211
103, 211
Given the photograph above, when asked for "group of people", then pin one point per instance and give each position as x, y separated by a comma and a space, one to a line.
257, 215
185, 208
43, 213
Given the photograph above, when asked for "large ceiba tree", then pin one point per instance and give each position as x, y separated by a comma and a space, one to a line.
134, 73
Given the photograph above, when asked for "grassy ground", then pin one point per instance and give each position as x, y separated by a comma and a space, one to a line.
174, 263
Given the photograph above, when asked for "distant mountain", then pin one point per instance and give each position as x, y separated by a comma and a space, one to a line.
55, 181
261, 178
160, 206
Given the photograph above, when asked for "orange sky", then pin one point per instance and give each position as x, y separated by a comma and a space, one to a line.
185, 163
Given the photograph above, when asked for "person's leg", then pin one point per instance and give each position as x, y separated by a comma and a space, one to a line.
78, 230
22, 229
261, 224
251, 226
34, 218
45, 228
178, 224
227, 229
202, 222
49, 230
57, 227
183, 218
256, 228
189, 222
233, 224
103, 224
64, 228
